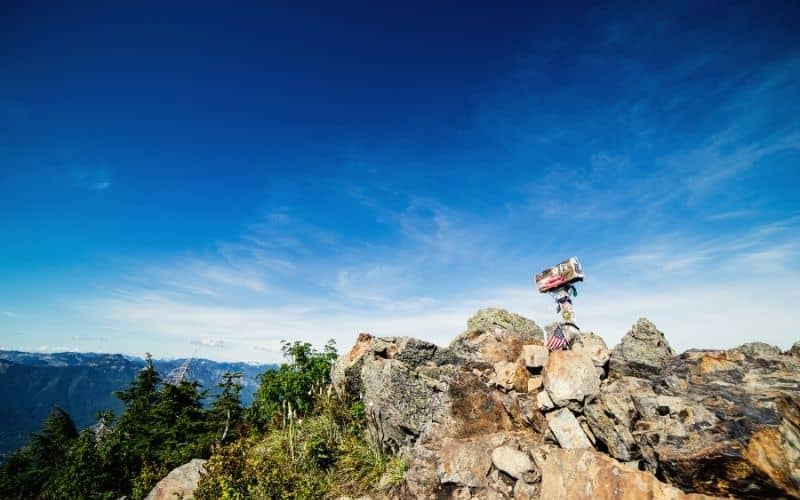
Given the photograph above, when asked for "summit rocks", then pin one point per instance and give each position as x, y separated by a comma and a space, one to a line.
494, 415
642, 352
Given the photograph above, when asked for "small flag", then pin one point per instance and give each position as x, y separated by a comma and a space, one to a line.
557, 340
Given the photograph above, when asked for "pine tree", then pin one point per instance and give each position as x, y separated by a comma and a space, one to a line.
135, 434
225, 415
35, 470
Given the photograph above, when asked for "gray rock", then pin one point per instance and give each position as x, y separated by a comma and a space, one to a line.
643, 352
567, 429
512, 461
594, 346
610, 417
399, 403
464, 462
758, 349
570, 376
495, 335
491, 319
180, 482
544, 402
617, 438
795, 349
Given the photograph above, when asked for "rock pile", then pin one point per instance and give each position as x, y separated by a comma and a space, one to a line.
495, 415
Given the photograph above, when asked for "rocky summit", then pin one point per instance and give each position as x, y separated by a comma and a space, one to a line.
495, 415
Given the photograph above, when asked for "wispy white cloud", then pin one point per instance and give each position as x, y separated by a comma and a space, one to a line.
731, 214
215, 343
96, 179
10, 314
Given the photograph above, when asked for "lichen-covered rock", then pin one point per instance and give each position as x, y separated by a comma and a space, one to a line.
758, 349
795, 349
180, 482
570, 376
589, 475
491, 319
495, 335
642, 352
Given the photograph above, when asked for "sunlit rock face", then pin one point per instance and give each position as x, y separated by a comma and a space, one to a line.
494, 415
181, 482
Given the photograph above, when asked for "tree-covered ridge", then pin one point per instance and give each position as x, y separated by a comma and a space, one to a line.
83, 384
298, 439
161, 426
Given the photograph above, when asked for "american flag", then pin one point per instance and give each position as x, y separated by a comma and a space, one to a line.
557, 340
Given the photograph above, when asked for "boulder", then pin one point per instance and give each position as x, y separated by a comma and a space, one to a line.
567, 429
495, 335
513, 462
610, 417
758, 349
464, 462
491, 319
400, 404
723, 423
642, 352
570, 376
544, 402
594, 346
795, 349
180, 482
589, 475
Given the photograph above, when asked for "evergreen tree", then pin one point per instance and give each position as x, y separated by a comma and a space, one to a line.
136, 433
225, 415
179, 424
33, 472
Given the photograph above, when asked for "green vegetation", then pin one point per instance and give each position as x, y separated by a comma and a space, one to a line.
161, 426
298, 439
305, 441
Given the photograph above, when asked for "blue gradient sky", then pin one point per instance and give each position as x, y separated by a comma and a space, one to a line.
223, 177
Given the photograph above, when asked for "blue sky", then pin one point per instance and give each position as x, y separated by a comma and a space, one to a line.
223, 177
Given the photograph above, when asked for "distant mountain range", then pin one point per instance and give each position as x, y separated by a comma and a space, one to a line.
84, 383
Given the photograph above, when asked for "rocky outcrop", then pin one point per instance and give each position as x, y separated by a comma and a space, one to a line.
494, 415
642, 352
795, 350
495, 335
180, 482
